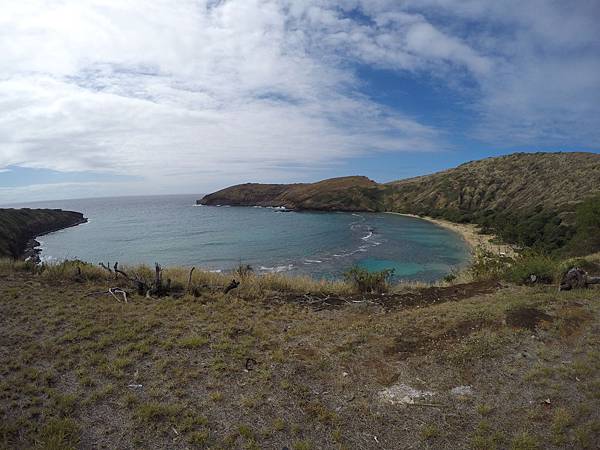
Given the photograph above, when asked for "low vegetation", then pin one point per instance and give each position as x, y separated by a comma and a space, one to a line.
366, 282
528, 267
516, 367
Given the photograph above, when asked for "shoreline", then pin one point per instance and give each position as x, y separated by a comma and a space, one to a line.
469, 234
32, 250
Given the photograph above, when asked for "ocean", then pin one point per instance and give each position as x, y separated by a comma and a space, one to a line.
172, 230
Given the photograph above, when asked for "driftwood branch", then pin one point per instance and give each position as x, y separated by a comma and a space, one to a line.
115, 291
120, 272
157, 287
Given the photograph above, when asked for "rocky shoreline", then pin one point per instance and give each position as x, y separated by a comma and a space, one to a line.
32, 251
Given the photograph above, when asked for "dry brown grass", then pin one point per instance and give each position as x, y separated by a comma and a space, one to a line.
236, 371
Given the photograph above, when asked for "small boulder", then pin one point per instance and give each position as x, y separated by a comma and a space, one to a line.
462, 391
402, 394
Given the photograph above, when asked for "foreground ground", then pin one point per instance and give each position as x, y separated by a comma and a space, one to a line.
222, 371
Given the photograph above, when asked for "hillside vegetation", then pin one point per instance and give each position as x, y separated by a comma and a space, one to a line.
19, 226
341, 194
543, 200
286, 363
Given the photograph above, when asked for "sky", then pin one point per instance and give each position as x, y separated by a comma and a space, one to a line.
133, 97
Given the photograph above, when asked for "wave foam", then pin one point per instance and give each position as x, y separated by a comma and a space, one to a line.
276, 269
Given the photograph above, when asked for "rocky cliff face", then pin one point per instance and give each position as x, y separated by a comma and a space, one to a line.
19, 226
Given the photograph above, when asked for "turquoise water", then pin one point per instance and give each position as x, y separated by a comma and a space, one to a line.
171, 230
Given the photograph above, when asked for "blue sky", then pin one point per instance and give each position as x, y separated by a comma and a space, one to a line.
119, 97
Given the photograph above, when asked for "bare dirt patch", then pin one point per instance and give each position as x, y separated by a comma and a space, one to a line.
418, 297
526, 317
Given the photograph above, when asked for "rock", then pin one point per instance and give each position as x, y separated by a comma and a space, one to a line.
577, 278
463, 391
402, 394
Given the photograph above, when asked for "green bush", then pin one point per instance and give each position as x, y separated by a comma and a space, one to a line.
587, 225
533, 268
530, 267
487, 265
366, 282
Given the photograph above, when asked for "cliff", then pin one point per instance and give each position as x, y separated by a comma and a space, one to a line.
19, 226
335, 194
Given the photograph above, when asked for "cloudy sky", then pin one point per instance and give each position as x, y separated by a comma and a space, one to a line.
116, 97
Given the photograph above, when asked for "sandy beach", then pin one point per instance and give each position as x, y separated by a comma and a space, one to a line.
470, 234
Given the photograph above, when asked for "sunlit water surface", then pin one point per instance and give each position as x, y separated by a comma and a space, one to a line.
172, 230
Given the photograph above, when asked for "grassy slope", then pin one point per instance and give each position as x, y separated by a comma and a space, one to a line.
517, 182
68, 360
528, 199
346, 193
18, 226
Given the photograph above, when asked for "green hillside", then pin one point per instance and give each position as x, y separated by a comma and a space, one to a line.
18, 226
340, 194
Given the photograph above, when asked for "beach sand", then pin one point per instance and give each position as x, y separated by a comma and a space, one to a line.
470, 234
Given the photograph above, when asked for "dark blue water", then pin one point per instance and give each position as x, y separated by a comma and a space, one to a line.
171, 230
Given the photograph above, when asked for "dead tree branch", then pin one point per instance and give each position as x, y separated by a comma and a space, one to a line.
105, 266
233, 285
189, 283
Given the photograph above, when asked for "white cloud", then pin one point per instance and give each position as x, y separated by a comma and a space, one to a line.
154, 88
545, 87
238, 89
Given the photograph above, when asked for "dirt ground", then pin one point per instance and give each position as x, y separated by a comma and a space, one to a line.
478, 366
410, 297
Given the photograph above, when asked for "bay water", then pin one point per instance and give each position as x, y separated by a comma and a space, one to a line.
172, 230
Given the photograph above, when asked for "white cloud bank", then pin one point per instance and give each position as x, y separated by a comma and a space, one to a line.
202, 91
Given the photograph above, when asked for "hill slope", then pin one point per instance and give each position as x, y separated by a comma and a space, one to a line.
527, 198
339, 194
521, 181
18, 226
443, 368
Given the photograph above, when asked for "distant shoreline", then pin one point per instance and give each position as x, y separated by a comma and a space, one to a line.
469, 233
32, 249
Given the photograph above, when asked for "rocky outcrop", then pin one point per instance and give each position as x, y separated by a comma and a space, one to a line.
18, 227
335, 194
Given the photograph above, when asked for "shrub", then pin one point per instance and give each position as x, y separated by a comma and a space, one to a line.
530, 267
243, 270
488, 265
450, 277
73, 270
533, 268
366, 282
